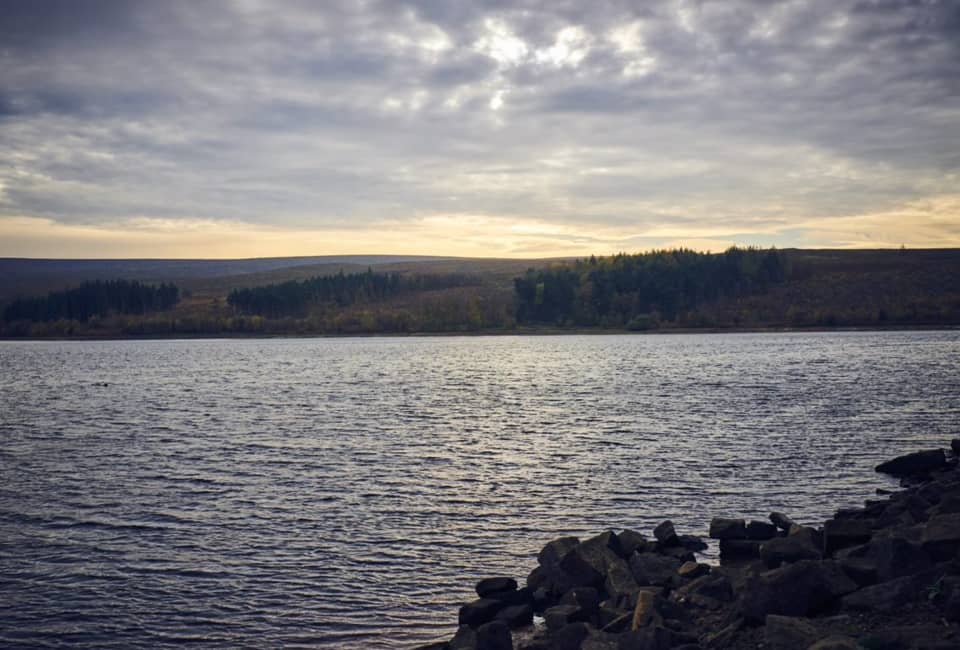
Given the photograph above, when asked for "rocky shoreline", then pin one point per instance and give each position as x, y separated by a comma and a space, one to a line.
882, 577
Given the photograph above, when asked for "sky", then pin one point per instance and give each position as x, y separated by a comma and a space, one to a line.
501, 128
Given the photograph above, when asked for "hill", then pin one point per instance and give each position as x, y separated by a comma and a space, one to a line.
665, 290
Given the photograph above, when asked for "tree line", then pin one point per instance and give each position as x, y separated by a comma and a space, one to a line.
639, 291
90, 299
298, 298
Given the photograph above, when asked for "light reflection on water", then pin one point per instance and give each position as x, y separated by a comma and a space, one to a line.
348, 492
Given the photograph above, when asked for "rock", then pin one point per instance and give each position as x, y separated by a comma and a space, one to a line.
723, 637
693, 570
620, 583
793, 548
692, 543
919, 462
708, 592
781, 521
861, 570
888, 597
889, 556
666, 534
479, 611
570, 636
739, 548
494, 635
551, 554
644, 612
653, 569
516, 615
761, 531
804, 588
721, 528
920, 637
620, 624
842, 533
559, 615
579, 567
489, 586
512, 596
941, 536
630, 541
788, 632
464, 639
836, 642
586, 598
678, 553
955, 445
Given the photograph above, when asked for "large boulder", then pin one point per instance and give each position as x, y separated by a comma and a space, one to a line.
479, 611
788, 632
723, 528
941, 536
804, 588
551, 554
631, 541
489, 586
494, 636
666, 534
516, 615
761, 531
781, 521
793, 548
841, 533
919, 462
653, 569
890, 596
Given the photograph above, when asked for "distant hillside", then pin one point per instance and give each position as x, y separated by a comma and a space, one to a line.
24, 276
662, 291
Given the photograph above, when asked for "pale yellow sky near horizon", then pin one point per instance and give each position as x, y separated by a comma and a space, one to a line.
931, 223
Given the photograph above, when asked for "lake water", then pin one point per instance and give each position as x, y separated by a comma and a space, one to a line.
348, 492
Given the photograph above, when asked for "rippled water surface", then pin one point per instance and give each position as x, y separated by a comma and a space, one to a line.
348, 492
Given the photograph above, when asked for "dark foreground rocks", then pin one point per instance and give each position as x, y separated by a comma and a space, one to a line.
883, 577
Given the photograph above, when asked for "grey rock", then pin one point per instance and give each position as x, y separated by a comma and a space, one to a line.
494, 635
516, 615
781, 521
761, 531
842, 533
653, 569
488, 586
919, 462
723, 528
793, 548
631, 541
666, 534
479, 611
788, 632
836, 642
804, 588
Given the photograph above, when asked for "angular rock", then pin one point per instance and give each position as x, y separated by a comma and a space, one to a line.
489, 586
955, 445
619, 624
479, 612
678, 553
781, 521
693, 570
919, 462
666, 534
586, 598
925, 637
438, 645
494, 635
644, 613
551, 554
630, 541
571, 636
579, 567
692, 543
890, 596
620, 583
653, 569
723, 528
890, 556
739, 548
464, 639
788, 632
515, 615
761, 531
560, 615
793, 548
804, 588
653, 637
842, 533
941, 536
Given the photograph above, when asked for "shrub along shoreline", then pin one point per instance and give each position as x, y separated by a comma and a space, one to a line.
882, 577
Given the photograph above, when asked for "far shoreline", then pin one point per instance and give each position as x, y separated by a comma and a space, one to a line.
518, 332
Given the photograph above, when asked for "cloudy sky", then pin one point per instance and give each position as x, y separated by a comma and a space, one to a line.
485, 128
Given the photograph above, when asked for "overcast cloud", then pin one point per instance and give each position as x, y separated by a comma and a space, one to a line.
500, 128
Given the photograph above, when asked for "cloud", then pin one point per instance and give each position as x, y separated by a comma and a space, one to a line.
739, 120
